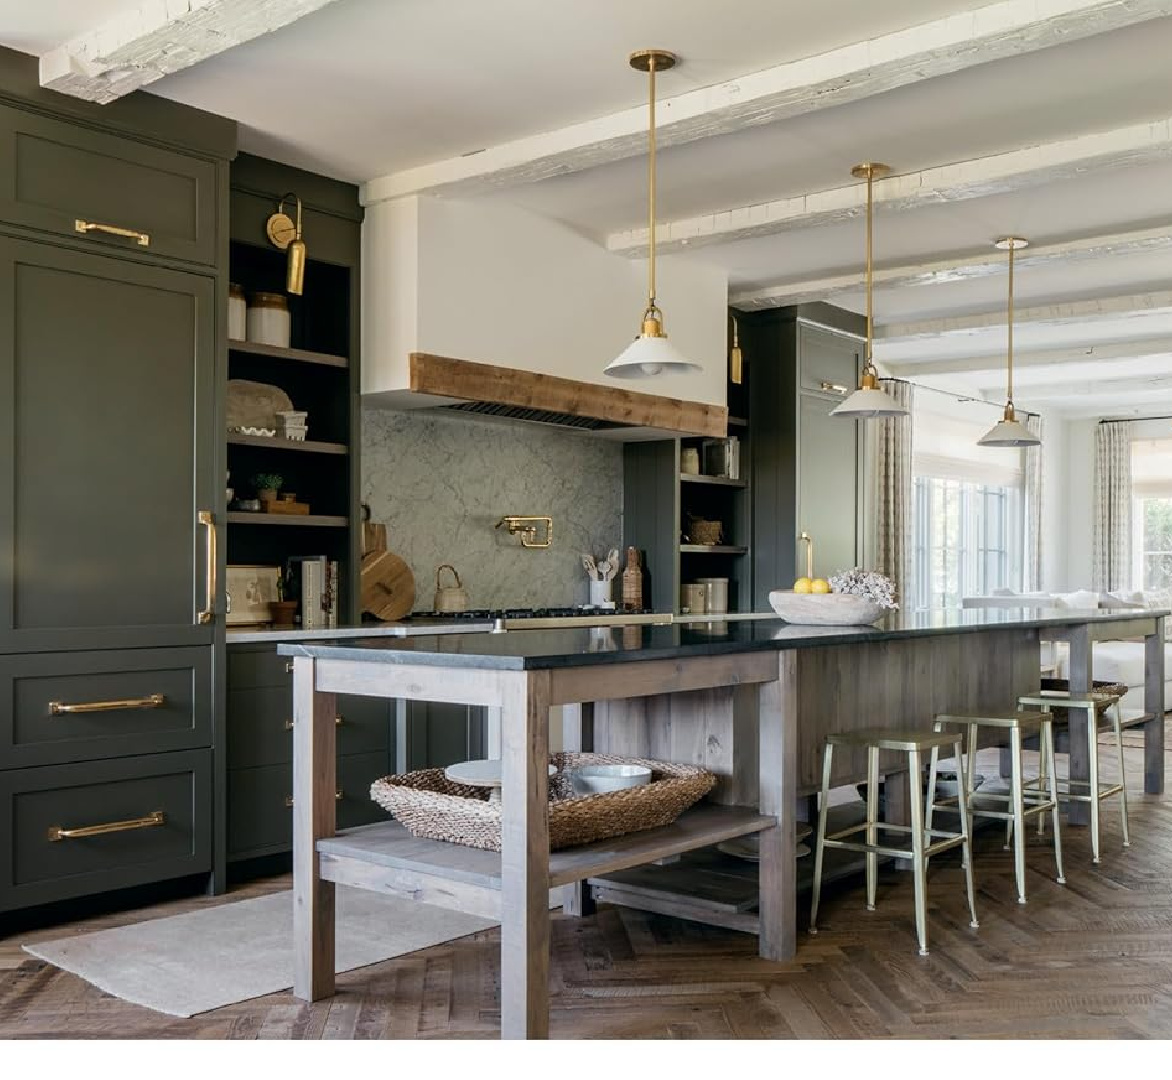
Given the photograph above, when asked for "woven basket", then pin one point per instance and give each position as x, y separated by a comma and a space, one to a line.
1108, 692
703, 531
432, 806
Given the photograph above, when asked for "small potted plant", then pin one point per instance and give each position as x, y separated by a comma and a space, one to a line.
267, 485
282, 611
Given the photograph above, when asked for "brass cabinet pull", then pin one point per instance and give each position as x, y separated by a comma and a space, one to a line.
209, 610
60, 708
56, 832
141, 238
338, 795
338, 722
288, 667
834, 388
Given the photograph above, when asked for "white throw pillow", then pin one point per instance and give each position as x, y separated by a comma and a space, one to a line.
1081, 600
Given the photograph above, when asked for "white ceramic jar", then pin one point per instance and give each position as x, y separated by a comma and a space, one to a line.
237, 313
268, 319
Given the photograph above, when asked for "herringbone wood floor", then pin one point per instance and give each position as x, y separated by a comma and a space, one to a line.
1092, 959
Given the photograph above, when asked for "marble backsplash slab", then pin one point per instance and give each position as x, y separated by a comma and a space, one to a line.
441, 482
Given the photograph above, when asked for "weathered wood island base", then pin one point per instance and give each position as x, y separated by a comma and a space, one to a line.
751, 700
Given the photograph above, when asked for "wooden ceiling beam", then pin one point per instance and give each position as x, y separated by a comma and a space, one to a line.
153, 38
851, 72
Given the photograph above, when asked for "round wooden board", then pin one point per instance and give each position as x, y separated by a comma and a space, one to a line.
388, 586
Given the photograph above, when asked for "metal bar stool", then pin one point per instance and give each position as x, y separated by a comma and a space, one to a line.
1024, 799
925, 842
1095, 792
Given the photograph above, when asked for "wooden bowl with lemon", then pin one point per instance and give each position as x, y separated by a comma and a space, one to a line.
812, 603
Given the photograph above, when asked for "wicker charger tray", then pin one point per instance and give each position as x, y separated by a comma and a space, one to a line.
432, 806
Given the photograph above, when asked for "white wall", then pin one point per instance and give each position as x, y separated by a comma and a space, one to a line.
1077, 527
1055, 503
489, 282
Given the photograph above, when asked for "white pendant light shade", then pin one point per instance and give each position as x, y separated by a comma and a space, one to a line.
651, 354
1009, 431
868, 402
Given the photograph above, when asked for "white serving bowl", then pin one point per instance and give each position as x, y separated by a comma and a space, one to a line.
594, 779
824, 609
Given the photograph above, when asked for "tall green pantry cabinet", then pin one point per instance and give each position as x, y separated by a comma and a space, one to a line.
113, 246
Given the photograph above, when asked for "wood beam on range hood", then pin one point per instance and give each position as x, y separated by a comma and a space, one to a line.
443, 376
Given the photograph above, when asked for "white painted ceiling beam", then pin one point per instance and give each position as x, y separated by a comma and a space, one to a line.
845, 74
1046, 316
1080, 390
993, 364
998, 174
966, 267
153, 38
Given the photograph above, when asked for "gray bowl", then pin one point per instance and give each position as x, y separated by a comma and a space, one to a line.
595, 779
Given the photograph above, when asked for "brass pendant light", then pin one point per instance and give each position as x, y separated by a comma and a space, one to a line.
736, 359
651, 353
868, 402
1009, 431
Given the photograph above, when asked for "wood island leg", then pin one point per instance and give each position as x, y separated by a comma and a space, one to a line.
1154, 704
314, 784
525, 857
1078, 813
778, 781
578, 737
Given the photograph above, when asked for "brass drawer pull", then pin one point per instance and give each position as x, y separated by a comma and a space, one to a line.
288, 667
338, 722
56, 833
209, 610
141, 238
834, 388
338, 796
58, 708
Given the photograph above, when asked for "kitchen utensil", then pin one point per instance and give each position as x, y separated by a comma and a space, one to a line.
600, 594
387, 586
589, 565
449, 597
824, 609
612, 565
595, 779
254, 405
482, 773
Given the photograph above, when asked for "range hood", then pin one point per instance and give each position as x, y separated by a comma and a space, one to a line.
464, 386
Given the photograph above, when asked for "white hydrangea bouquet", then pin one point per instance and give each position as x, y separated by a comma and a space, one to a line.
869, 584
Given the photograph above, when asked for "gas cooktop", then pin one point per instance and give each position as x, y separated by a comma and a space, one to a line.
499, 619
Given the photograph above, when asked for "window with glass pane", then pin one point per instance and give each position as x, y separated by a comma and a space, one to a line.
964, 536
1155, 538
1151, 513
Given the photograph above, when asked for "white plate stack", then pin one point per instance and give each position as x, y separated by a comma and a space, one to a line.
292, 425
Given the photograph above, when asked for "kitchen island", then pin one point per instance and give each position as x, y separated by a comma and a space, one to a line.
751, 700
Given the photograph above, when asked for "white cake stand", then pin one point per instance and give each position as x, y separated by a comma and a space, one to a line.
481, 772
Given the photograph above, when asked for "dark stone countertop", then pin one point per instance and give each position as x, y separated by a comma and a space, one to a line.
535, 650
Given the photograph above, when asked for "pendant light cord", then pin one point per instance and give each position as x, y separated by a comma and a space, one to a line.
651, 194
868, 364
1009, 350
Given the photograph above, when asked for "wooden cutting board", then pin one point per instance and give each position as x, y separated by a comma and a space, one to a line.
387, 588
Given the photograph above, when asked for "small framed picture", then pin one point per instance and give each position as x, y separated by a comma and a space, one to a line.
250, 591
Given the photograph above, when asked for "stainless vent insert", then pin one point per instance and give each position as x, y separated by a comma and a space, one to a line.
535, 416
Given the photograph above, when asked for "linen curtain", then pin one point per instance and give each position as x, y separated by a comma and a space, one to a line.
894, 493
1032, 570
1112, 508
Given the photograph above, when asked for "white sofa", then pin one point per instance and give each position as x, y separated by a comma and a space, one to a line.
1114, 661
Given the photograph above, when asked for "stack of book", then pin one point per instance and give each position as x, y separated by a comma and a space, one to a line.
722, 457
313, 583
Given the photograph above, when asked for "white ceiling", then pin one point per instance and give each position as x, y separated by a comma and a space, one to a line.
365, 88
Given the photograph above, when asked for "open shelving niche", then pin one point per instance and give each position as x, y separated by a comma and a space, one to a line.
319, 374
658, 497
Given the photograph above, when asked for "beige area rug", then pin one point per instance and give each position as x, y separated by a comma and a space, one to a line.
187, 964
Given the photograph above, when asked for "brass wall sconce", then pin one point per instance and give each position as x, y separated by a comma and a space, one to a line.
285, 234
736, 360
526, 527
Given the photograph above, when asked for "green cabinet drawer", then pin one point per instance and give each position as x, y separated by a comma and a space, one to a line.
108, 190
72, 830
62, 707
828, 363
251, 666
260, 800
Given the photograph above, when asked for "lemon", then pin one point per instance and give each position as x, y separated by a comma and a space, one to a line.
820, 585
803, 585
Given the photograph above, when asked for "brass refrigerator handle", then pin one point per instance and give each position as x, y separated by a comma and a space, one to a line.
209, 609
338, 721
60, 708
156, 817
82, 226
835, 388
809, 541
338, 796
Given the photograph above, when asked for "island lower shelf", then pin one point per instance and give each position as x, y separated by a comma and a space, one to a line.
362, 852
